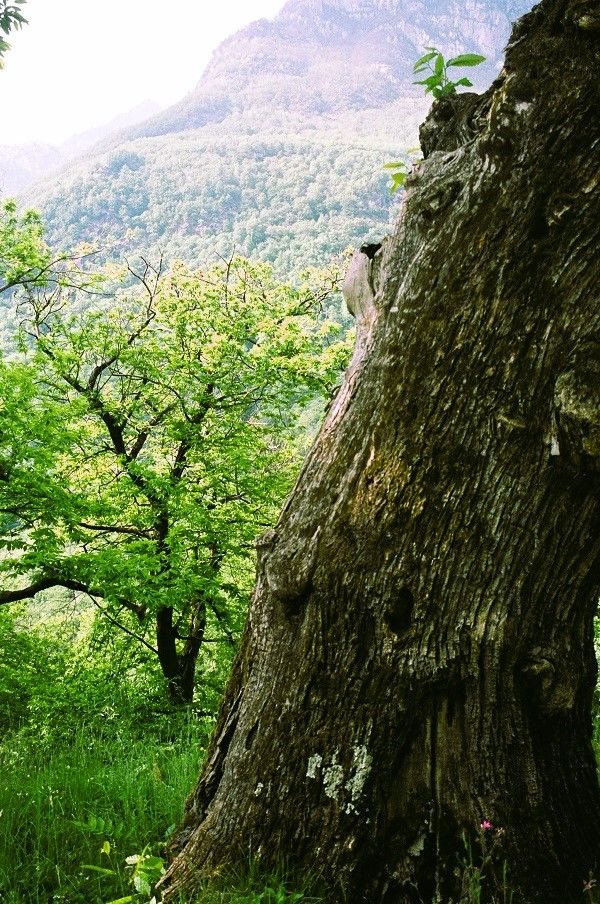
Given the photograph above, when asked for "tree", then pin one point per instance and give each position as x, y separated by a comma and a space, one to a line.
11, 19
144, 447
24, 255
28, 263
418, 660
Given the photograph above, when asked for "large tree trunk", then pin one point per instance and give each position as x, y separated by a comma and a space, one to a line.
419, 652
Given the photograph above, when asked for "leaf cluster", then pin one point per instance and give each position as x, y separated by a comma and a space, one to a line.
11, 19
438, 82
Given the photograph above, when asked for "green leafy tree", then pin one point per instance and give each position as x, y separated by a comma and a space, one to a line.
144, 447
24, 255
11, 19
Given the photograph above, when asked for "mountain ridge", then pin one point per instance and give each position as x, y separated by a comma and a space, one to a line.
371, 47
278, 150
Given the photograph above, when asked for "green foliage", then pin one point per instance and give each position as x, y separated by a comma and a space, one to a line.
143, 448
91, 771
24, 255
144, 869
28, 662
399, 173
54, 802
438, 82
254, 887
289, 199
11, 19
484, 870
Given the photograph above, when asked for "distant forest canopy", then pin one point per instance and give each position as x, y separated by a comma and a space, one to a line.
288, 200
278, 151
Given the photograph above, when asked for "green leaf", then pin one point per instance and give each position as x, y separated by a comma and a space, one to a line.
439, 65
153, 863
142, 885
105, 849
425, 59
398, 181
431, 82
126, 900
396, 164
98, 869
466, 59
464, 81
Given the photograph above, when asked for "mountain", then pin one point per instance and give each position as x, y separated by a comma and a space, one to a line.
278, 150
22, 165
325, 57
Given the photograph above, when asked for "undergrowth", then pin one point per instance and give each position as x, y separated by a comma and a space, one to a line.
59, 808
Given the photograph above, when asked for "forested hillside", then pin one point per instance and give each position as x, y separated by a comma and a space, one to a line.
278, 151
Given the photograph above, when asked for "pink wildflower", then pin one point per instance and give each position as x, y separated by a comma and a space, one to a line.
485, 825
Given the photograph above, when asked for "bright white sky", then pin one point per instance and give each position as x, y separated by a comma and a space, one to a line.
79, 63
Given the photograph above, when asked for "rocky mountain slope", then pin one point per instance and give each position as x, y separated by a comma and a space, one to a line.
278, 151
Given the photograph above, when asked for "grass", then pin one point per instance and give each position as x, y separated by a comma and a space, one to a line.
255, 888
58, 809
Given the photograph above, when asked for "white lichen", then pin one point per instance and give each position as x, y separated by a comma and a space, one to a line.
314, 764
362, 766
333, 776
258, 789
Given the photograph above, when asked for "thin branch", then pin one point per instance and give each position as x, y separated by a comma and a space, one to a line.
117, 624
115, 529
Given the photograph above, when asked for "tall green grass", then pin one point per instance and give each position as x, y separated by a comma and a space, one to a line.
58, 808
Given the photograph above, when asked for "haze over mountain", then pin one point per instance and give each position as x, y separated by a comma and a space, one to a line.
278, 150
23, 164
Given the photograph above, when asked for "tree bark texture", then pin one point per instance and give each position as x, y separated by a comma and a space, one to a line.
419, 652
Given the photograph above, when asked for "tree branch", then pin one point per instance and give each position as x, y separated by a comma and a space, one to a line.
115, 529
118, 624
47, 583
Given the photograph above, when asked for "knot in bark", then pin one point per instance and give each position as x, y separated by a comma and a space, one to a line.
359, 284
359, 289
452, 121
551, 690
288, 567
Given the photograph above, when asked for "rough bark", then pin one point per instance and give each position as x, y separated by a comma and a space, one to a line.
419, 652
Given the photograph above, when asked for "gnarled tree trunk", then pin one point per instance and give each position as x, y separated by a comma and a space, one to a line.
419, 653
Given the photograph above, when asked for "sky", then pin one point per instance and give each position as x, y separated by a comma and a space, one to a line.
79, 63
